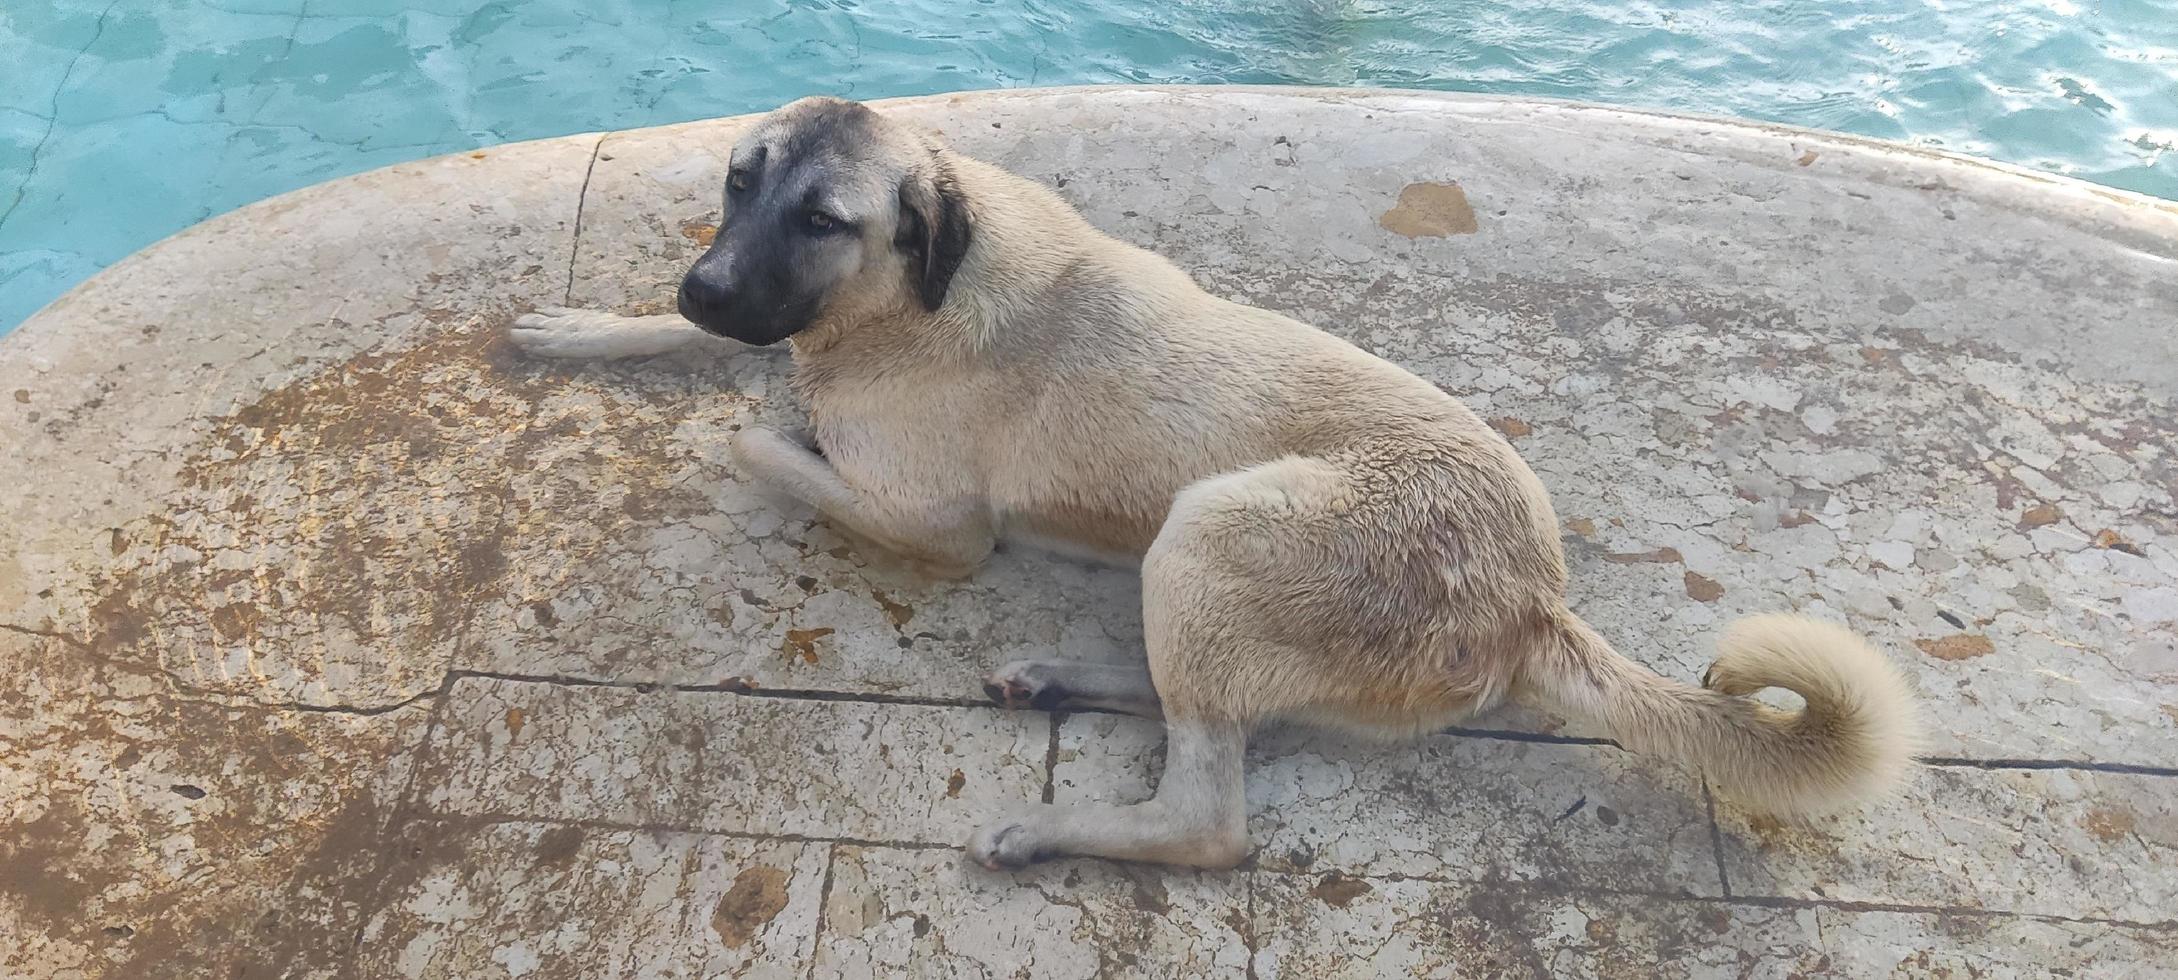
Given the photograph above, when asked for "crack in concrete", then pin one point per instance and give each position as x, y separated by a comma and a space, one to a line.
48, 634
52, 116
582, 200
350, 709
824, 902
1248, 936
1051, 759
302, 13
405, 808
186, 693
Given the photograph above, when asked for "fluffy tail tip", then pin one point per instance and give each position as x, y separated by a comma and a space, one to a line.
1859, 730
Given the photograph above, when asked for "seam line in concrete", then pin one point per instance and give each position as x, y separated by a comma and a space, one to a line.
1785, 902
735, 686
2127, 768
658, 827
1938, 761
1716, 839
1541, 887
745, 688
1758, 901
1507, 735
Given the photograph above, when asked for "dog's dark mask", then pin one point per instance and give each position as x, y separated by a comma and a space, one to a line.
753, 283
784, 244
743, 294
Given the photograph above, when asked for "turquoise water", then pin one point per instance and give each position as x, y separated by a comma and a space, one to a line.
122, 121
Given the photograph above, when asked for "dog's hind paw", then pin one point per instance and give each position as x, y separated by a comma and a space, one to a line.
1004, 845
1024, 684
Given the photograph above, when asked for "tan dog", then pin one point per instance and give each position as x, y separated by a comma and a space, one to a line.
1323, 536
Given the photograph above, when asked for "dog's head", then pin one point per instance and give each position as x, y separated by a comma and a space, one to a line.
833, 213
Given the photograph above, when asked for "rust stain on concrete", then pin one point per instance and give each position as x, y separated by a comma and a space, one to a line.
1430, 210
756, 897
1958, 646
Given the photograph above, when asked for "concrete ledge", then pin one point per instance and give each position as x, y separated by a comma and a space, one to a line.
350, 643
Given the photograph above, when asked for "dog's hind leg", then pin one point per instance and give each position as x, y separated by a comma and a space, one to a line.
1208, 659
1198, 818
1199, 815
556, 331
1248, 616
1064, 685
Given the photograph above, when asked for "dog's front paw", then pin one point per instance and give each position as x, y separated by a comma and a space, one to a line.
765, 453
557, 331
1006, 844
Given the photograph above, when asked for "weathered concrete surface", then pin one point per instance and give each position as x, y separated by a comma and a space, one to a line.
2062, 842
1327, 927
349, 643
557, 899
746, 765
156, 832
215, 482
923, 913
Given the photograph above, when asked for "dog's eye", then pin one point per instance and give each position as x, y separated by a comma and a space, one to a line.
738, 180
821, 221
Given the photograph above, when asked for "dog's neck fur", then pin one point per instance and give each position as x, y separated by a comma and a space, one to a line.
1025, 239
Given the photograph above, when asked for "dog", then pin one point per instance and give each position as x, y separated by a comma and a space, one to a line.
1323, 537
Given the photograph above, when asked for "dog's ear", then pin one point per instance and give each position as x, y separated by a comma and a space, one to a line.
934, 231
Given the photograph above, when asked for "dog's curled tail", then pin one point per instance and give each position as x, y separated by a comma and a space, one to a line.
1852, 740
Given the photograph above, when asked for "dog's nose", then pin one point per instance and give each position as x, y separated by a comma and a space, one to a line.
704, 300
